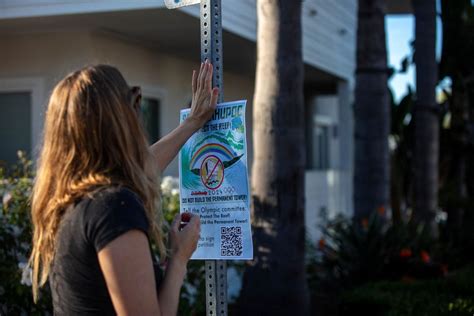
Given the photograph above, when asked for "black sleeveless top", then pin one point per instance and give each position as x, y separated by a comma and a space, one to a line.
77, 284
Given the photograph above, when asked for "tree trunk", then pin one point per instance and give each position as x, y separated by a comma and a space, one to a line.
274, 282
459, 108
372, 112
426, 116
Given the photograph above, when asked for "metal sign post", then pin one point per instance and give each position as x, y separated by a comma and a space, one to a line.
211, 49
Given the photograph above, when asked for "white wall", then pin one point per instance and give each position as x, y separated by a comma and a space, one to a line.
332, 189
329, 190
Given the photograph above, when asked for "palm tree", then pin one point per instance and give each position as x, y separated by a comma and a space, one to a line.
372, 112
426, 116
274, 282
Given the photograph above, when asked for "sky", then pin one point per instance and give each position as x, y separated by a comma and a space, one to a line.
400, 32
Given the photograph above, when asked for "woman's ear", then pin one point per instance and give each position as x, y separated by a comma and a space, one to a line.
136, 98
138, 102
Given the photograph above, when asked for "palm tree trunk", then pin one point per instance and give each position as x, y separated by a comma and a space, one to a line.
372, 112
426, 116
459, 108
274, 282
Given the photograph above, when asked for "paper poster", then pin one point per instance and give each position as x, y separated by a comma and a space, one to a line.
173, 4
214, 184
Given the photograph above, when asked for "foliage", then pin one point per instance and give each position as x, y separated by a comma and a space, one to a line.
15, 237
458, 47
401, 145
457, 136
352, 253
170, 197
457, 253
453, 295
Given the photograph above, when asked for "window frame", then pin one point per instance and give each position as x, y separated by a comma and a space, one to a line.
158, 93
325, 122
34, 86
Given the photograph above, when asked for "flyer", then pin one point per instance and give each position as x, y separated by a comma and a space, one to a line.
213, 178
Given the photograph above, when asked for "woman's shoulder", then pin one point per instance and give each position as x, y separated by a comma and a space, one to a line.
114, 194
112, 201
111, 211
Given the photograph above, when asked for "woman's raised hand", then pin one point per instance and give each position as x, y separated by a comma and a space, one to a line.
203, 106
183, 241
204, 95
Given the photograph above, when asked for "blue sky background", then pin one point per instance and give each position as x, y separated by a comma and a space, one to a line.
400, 33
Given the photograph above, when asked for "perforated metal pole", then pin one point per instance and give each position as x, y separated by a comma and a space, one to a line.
211, 49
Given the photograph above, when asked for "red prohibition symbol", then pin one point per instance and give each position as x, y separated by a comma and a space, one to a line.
212, 172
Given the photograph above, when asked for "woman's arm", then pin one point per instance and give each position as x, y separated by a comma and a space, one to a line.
202, 107
168, 147
183, 244
128, 270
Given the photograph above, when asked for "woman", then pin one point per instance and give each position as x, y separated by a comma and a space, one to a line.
94, 202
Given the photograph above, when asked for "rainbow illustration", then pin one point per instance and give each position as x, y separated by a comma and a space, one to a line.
214, 148
228, 157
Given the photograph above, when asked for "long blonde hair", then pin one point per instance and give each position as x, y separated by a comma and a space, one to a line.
92, 138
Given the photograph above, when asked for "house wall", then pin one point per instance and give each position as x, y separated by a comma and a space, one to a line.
329, 31
48, 57
33, 8
328, 192
39, 59
329, 27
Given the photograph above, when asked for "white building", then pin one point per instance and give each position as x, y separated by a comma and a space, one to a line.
43, 40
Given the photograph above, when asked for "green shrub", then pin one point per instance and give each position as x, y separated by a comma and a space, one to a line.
15, 238
353, 253
453, 295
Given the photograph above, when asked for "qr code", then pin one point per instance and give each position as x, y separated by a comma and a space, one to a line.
231, 241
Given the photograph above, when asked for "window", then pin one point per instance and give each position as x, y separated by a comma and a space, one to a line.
322, 116
320, 139
15, 125
321, 146
151, 118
